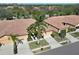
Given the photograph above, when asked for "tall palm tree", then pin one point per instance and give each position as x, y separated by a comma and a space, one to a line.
36, 30
15, 41
0, 44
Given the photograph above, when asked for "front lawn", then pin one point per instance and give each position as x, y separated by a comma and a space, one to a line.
76, 34
34, 44
57, 37
60, 39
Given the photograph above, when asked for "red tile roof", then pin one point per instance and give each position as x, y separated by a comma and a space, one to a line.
72, 19
15, 26
57, 21
19, 26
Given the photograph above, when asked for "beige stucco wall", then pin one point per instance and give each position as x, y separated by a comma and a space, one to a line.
47, 33
5, 39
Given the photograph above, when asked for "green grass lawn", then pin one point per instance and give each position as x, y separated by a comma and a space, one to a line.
76, 34
34, 45
57, 37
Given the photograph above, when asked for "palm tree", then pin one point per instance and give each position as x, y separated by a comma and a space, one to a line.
36, 30
15, 40
0, 44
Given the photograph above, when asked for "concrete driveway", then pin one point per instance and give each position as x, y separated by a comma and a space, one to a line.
22, 49
52, 42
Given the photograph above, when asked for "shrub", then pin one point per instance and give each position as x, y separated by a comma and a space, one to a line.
62, 34
54, 34
71, 29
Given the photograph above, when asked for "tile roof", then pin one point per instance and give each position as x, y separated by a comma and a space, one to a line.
57, 21
72, 19
15, 26
19, 26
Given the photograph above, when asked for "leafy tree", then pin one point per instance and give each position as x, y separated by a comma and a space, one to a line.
62, 33
6, 14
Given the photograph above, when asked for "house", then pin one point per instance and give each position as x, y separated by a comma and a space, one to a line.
19, 26
63, 22
72, 20
16, 27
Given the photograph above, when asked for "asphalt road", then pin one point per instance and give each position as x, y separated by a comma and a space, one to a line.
71, 49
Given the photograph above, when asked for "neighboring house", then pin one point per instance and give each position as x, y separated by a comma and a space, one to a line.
71, 21
19, 26
63, 22
16, 27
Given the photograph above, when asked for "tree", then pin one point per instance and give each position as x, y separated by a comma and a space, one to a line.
36, 30
15, 42
6, 14
3, 14
0, 44
18, 12
62, 33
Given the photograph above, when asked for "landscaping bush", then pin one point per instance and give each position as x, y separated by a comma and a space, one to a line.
62, 34
71, 29
54, 34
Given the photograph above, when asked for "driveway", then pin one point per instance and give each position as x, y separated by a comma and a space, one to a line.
71, 38
22, 49
52, 42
